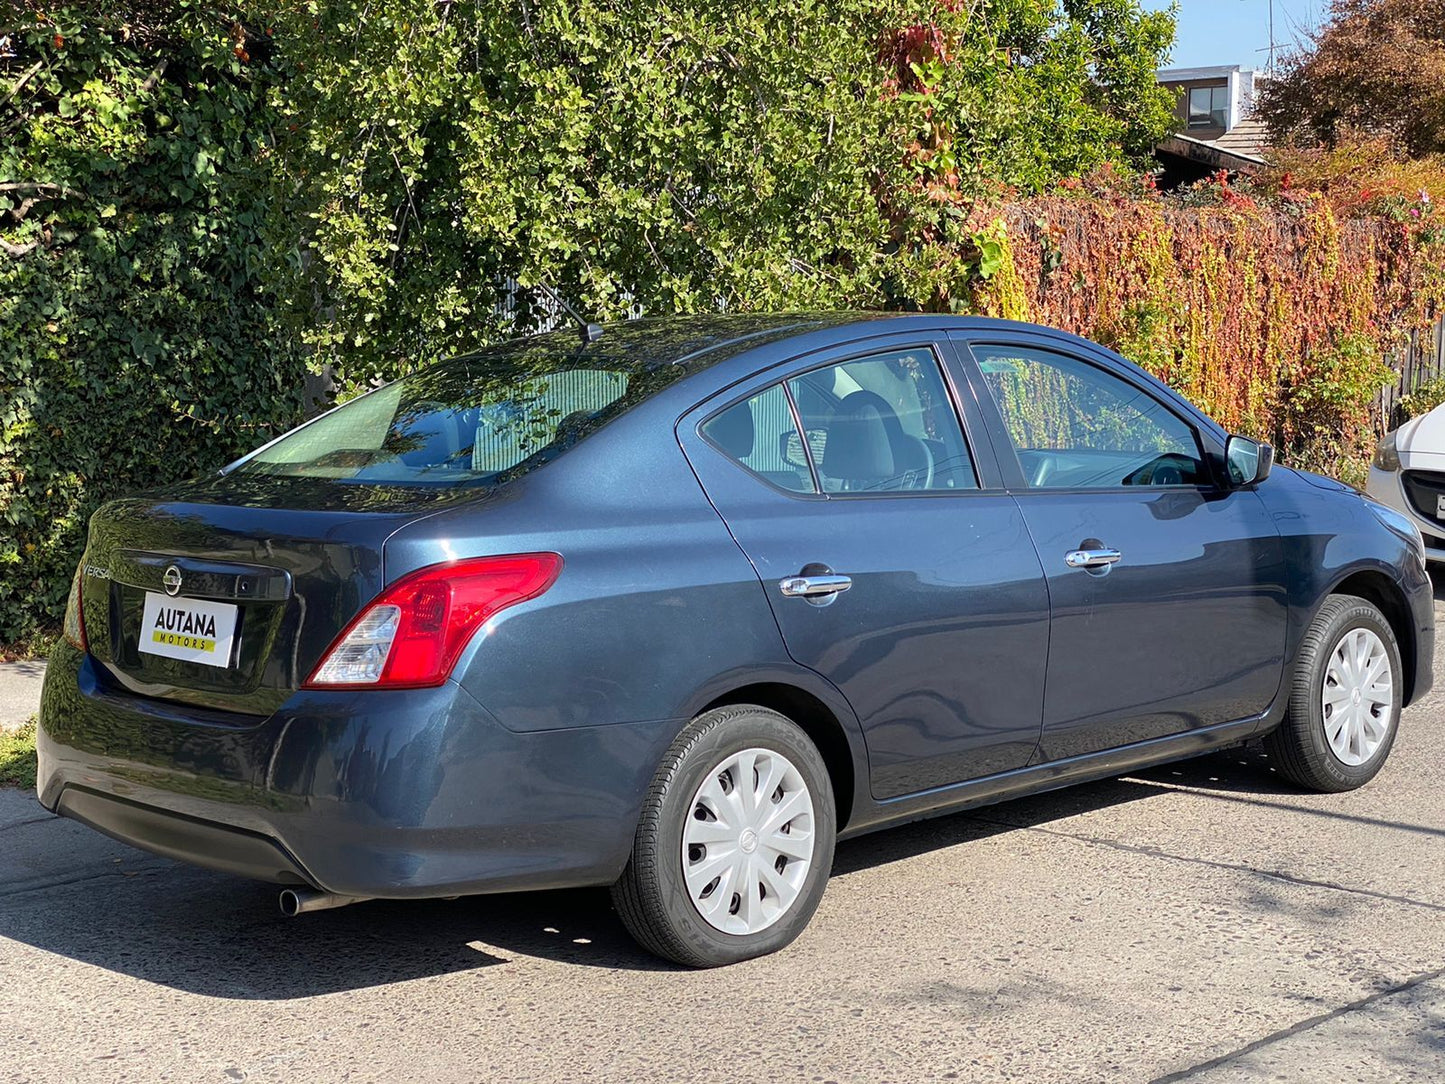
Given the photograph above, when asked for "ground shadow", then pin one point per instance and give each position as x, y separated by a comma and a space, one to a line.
211, 934
214, 935
33, 669
1245, 769
920, 837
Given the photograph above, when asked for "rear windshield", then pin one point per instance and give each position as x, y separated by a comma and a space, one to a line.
469, 421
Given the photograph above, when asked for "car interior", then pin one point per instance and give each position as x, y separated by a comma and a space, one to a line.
859, 440
388, 437
1074, 426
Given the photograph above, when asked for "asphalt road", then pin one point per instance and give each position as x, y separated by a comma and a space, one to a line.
1204, 922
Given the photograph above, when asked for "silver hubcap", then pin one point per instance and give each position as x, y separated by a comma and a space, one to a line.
1358, 696
748, 842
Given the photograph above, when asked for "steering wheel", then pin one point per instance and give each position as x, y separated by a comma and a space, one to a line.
1162, 470
928, 468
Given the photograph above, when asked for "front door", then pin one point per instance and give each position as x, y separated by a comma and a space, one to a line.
895, 564
1167, 589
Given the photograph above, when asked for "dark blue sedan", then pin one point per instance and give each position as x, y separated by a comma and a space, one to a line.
675, 609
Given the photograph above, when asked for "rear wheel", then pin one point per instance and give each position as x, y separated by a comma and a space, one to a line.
735, 843
1344, 705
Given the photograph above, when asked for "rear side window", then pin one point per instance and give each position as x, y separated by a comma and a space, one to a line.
473, 420
878, 424
883, 423
760, 434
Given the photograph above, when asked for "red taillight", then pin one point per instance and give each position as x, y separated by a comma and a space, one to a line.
73, 628
412, 633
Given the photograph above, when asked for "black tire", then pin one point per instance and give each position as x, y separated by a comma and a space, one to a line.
651, 896
1299, 747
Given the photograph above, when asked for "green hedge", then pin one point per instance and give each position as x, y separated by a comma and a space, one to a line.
194, 196
137, 342
671, 155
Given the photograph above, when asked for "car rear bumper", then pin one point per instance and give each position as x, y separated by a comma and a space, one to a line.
184, 838
388, 794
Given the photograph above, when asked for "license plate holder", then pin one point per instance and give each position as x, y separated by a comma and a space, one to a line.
190, 629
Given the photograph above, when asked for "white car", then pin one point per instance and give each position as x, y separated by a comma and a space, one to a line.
1408, 474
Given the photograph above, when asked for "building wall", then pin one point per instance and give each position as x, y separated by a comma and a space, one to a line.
1239, 84
1181, 107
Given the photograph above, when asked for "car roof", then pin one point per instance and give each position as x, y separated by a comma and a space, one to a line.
700, 342
652, 342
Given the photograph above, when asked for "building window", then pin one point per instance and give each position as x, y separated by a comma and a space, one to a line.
1209, 107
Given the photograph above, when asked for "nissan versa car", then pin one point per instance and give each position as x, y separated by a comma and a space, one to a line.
676, 609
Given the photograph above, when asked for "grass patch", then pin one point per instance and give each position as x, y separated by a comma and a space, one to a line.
17, 756
37, 645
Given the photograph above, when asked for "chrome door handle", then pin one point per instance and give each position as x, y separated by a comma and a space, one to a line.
814, 586
1100, 558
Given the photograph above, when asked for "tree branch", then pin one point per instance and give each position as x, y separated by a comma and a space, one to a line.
154, 77
20, 83
18, 213
35, 186
17, 251
43, 192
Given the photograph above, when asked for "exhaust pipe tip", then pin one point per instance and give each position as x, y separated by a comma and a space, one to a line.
297, 901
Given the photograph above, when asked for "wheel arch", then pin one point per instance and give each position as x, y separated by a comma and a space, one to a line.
820, 722
1382, 592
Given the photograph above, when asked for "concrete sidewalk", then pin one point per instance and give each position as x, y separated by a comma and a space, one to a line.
20, 691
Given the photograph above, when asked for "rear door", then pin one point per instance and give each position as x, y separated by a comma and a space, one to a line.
895, 564
1168, 590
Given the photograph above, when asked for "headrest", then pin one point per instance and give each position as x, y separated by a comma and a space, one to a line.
732, 430
853, 400
858, 448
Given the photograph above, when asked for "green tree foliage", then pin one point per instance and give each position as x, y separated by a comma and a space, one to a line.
170, 168
137, 344
668, 155
1377, 67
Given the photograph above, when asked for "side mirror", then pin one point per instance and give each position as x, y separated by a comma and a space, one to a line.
1248, 461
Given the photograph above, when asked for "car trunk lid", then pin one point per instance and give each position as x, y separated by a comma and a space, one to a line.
281, 567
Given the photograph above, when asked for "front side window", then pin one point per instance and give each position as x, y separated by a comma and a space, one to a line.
469, 421
883, 423
1209, 107
1075, 426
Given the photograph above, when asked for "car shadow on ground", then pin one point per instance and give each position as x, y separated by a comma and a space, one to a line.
218, 936
1243, 771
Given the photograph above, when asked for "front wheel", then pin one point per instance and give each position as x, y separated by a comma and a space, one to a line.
1344, 706
735, 843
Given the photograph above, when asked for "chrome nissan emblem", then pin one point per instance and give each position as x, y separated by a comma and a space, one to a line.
172, 580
